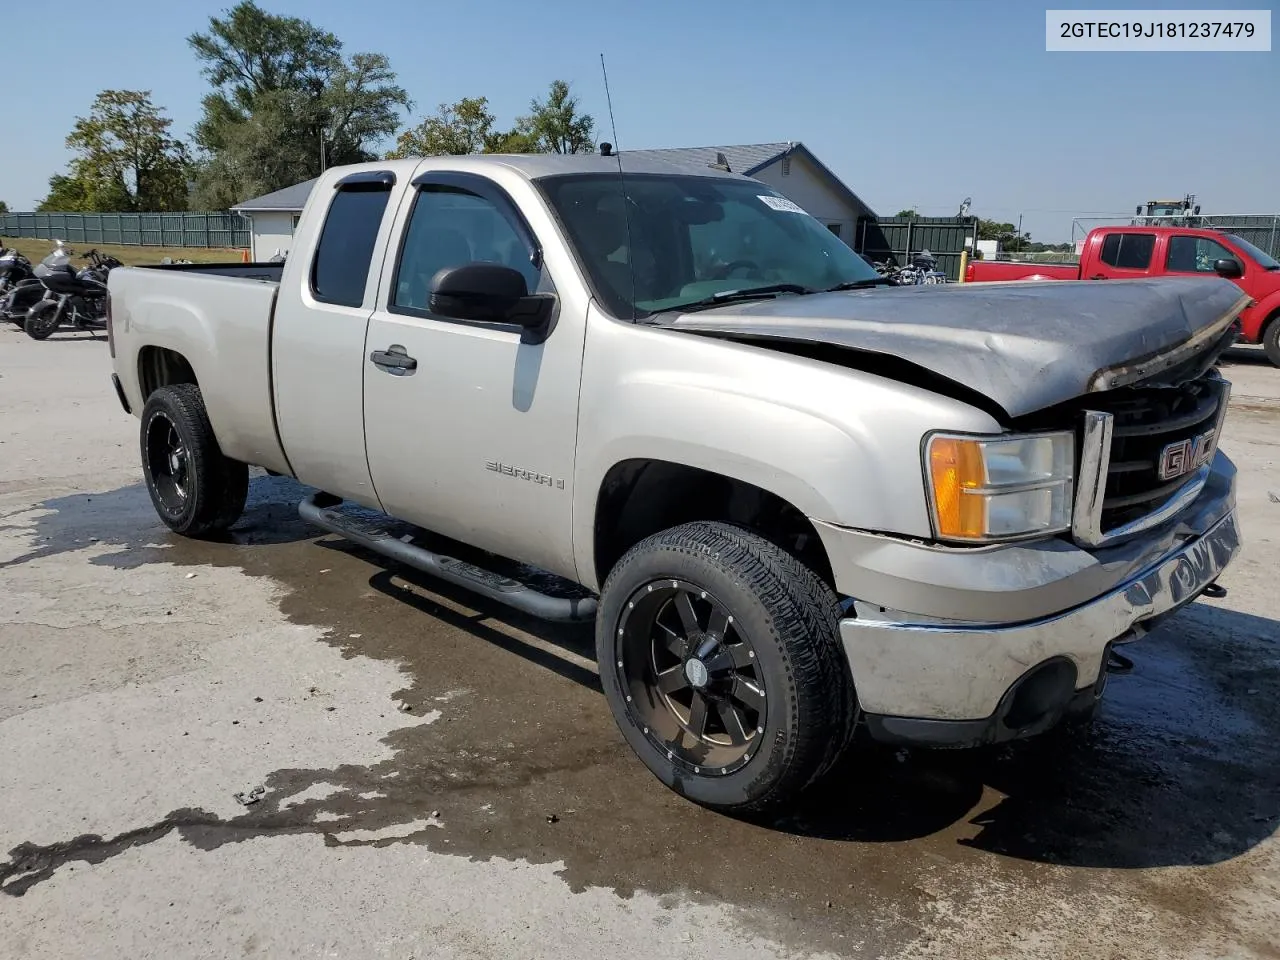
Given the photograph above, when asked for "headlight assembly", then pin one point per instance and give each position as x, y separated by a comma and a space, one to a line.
985, 489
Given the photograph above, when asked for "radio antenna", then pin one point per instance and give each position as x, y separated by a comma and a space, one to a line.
605, 150
609, 100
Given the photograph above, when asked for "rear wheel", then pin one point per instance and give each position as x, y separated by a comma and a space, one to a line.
1271, 338
43, 319
195, 489
719, 655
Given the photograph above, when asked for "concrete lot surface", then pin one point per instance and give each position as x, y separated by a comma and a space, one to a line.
441, 779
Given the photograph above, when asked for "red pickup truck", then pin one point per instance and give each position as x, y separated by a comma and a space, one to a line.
1114, 253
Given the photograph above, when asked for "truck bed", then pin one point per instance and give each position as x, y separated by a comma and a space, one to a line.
270, 272
984, 271
218, 317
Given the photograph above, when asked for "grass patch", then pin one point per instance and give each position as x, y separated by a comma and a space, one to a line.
130, 256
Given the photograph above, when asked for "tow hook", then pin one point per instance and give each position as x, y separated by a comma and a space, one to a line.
1118, 663
1214, 591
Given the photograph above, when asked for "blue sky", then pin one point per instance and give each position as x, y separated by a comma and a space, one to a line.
912, 103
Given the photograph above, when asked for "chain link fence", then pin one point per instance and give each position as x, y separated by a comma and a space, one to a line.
1262, 230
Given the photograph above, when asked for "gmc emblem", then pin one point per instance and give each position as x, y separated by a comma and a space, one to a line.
1183, 456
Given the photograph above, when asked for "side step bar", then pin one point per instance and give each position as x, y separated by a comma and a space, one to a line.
319, 510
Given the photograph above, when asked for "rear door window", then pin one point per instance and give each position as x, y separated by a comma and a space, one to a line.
1128, 251
345, 250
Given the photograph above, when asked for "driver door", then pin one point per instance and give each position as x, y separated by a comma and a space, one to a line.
470, 432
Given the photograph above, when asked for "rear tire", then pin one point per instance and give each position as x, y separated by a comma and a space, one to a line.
1271, 339
194, 488
709, 627
42, 320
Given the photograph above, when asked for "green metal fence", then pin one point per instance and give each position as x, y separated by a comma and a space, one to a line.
896, 239
131, 229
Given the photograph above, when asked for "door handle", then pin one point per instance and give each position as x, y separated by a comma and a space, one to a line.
1098, 276
394, 360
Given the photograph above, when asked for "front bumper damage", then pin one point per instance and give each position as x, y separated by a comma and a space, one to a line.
956, 680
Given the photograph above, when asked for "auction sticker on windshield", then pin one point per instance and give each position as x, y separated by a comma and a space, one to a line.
780, 203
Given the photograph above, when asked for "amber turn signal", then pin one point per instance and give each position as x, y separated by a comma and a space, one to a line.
955, 466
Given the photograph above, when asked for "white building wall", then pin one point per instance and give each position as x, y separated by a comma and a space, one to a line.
804, 185
271, 231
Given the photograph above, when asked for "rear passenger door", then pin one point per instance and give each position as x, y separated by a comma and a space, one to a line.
318, 339
1124, 255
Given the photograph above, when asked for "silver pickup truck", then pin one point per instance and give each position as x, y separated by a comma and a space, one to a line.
796, 502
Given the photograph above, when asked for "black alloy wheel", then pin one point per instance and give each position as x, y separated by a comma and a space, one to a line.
679, 642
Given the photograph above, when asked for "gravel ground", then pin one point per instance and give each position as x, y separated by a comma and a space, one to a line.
440, 779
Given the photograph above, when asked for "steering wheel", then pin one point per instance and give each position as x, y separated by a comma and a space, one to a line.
733, 265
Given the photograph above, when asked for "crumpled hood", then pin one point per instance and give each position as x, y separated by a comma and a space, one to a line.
1025, 346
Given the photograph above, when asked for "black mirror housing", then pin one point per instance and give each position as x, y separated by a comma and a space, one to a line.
1228, 267
491, 293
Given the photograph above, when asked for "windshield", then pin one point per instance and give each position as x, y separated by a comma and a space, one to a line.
686, 238
1264, 259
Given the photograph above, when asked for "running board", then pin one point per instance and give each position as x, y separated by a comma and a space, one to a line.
484, 582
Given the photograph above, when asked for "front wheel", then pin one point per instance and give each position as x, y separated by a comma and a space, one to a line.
1271, 339
720, 658
43, 319
195, 489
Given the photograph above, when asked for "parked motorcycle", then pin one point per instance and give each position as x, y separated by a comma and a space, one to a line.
26, 293
923, 269
80, 298
14, 268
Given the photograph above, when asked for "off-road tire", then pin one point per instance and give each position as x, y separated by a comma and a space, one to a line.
216, 486
790, 618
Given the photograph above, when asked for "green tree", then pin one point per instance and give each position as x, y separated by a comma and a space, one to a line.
555, 125
125, 159
251, 52
515, 140
4, 208
67, 194
910, 212
454, 129
1006, 233
286, 103
269, 149
461, 128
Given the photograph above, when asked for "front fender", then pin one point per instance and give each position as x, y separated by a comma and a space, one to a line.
840, 445
1253, 319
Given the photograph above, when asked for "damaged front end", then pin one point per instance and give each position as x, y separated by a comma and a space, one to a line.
993, 632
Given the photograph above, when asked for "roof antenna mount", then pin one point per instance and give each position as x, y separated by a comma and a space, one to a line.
722, 162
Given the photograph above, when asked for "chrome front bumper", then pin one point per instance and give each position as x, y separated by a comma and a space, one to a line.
961, 671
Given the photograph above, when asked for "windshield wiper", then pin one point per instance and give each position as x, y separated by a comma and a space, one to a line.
875, 281
736, 296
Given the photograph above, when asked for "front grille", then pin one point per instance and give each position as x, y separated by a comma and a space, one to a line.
1147, 421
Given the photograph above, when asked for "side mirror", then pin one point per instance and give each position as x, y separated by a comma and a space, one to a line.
491, 293
1228, 267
